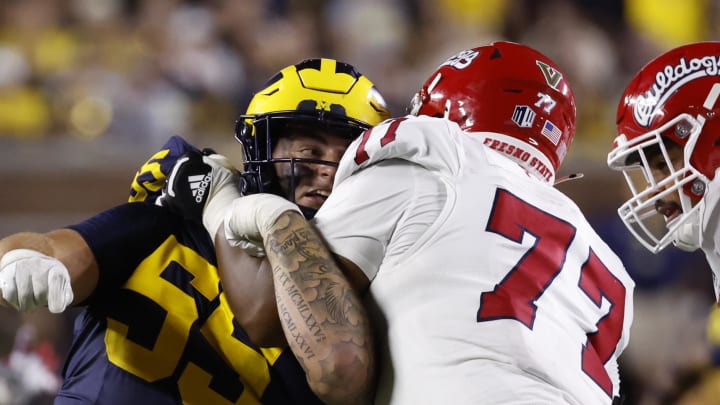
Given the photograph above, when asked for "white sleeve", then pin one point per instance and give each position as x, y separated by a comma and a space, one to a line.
383, 174
433, 143
710, 230
358, 219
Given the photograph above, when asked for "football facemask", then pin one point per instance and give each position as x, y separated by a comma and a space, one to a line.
315, 94
673, 100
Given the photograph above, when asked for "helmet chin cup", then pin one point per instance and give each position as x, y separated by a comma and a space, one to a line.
687, 235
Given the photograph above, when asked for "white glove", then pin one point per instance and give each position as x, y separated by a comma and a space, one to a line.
250, 218
30, 279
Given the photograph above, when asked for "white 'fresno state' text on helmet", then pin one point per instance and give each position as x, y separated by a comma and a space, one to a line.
671, 101
512, 91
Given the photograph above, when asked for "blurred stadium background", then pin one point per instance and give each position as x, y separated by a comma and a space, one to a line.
90, 88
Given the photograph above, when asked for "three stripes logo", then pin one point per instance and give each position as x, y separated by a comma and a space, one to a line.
198, 185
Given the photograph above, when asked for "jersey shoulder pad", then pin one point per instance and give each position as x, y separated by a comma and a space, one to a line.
433, 143
149, 180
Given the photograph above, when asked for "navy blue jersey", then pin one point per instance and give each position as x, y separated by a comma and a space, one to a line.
158, 328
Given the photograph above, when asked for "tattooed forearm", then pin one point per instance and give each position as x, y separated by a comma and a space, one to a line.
295, 333
300, 305
322, 316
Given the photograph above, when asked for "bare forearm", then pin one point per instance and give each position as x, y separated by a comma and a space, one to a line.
26, 240
322, 316
65, 245
248, 284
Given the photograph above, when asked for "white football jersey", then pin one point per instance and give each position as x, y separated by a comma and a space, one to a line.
710, 231
490, 286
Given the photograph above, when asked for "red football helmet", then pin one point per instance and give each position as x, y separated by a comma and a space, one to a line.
510, 90
672, 100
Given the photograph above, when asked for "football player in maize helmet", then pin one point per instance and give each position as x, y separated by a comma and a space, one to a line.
297, 127
668, 149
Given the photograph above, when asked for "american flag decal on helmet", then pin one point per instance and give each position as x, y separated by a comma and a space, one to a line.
551, 132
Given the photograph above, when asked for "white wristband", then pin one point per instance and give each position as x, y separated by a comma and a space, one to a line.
251, 217
217, 206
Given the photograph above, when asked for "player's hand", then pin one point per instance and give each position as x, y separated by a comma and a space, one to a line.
251, 217
199, 187
30, 279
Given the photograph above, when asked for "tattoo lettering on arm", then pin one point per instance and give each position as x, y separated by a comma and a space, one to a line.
322, 316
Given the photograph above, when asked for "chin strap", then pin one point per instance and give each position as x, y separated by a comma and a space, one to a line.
573, 176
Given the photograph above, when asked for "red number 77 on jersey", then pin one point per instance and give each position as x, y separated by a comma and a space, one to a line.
514, 297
